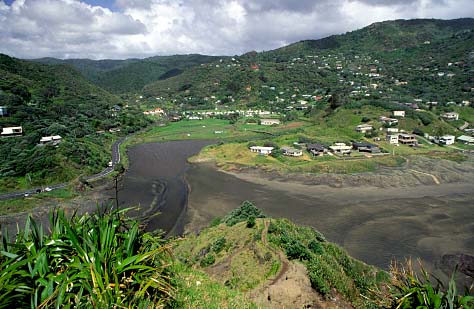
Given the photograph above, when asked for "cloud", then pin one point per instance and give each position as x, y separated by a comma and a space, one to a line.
141, 28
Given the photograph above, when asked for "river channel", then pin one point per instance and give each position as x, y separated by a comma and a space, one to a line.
373, 224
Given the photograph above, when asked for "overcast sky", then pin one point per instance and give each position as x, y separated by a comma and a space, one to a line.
118, 29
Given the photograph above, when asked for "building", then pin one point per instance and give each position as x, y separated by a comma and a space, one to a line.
316, 149
392, 130
446, 139
388, 121
292, 152
450, 116
156, 111
365, 147
468, 140
3, 111
269, 122
341, 149
364, 128
52, 140
398, 113
261, 150
407, 139
12, 131
392, 139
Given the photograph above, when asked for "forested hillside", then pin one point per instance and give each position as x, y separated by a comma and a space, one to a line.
130, 75
403, 61
55, 100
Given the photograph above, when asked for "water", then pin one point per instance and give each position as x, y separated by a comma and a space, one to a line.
373, 224
155, 183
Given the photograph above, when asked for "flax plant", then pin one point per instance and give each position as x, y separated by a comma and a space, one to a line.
101, 260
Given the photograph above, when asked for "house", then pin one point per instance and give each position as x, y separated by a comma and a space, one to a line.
388, 121
156, 111
53, 140
446, 140
261, 150
392, 130
407, 139
364, 128
468, 140
292, 152
398, 113
365, 147
392, 139
341, 149
450, 116
12, 131
269, 122
3, 111
316, 149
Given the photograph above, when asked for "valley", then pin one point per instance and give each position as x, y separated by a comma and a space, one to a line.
321, 162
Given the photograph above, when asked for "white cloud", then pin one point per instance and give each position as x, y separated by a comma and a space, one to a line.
141, 28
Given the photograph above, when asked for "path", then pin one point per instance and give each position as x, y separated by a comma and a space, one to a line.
435, 179
281, 255
105, 172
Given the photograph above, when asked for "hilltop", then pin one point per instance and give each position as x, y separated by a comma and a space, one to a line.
131, 75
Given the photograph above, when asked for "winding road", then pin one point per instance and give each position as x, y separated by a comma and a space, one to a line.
105, 172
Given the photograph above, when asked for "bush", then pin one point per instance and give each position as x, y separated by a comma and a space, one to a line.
218, 245
251, 222
208, 260
243, 213
315, 247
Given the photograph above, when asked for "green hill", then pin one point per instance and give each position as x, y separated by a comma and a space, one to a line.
50, 100
130, 75
402, 60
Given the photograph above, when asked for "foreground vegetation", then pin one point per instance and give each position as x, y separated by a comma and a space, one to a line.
106, 260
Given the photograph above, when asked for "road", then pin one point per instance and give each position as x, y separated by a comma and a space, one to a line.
105, 172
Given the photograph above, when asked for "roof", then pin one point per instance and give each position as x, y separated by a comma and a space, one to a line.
363, 144
316, 146
261, 148
50, 138
465, 138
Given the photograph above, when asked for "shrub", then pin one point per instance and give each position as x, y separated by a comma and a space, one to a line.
208, 260
251, 222
315, 247
218, 245
241, 214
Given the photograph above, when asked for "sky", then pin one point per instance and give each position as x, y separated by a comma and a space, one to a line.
119, 29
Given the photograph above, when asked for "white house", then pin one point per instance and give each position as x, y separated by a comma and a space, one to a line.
364, 128
446, 139
450, 116
340, 148
398, 113
261, 150
11, 131
392, 139
392, 130
388, 121
292, 152
55, 139
468, 140
269, 122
